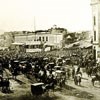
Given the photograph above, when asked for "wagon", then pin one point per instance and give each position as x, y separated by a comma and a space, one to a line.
5, 84
15, 63
57, 67
60, 74
60, 77
38, 89
59, 61
50, 65
68, 60
23, 62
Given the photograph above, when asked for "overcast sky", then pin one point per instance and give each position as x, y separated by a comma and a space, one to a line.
18, 15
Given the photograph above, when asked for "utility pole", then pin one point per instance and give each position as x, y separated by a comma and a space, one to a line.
35, 28
34, 24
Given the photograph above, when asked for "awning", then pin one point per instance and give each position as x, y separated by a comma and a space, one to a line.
33, 43
15, 43
72, 44
80, 44
49, 44
84, 44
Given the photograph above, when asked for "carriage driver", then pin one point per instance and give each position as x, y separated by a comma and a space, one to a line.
78, 72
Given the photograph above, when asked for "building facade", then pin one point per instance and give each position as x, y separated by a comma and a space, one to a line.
96, 28
36, 42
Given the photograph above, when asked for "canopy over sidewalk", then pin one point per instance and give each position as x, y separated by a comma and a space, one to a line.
79, 44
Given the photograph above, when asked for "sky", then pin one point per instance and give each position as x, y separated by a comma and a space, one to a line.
30, 15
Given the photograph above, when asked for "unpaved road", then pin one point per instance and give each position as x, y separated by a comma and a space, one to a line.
20, 90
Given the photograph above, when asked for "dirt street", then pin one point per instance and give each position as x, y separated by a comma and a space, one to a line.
20, 90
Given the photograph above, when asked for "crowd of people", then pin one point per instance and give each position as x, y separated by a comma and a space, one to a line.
41, 65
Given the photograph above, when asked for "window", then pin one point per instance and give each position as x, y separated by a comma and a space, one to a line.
35, 39
27, 46
33, 47
94, 18
43, 38
46, 38
39, 38
94, 35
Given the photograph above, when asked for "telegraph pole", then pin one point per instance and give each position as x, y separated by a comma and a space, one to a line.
34, 24
35, 28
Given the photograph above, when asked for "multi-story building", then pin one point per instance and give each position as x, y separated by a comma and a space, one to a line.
38, 41
8, 38
96, 28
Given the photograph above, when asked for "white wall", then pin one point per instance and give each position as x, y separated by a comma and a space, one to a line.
96, 12
55, 39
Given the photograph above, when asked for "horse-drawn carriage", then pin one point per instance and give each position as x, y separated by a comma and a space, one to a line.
59, 61
4, 84
38, 89
57, 67
50, 65
14, 68
68, 60
60, 77
25, 67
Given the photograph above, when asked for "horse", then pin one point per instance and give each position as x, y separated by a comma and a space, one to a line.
5, 84
62, 82
42, 75
50, 84
89, 71
77, 79
15, 72
95, 78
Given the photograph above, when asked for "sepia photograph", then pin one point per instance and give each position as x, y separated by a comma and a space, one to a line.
49, 49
